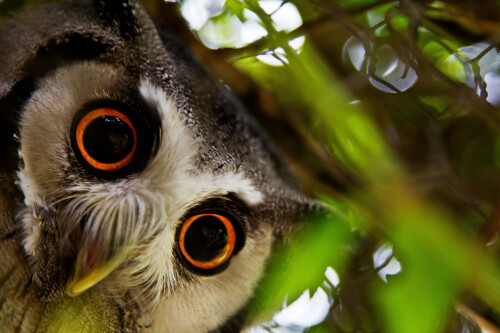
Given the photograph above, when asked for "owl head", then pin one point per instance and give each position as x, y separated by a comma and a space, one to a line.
133, 184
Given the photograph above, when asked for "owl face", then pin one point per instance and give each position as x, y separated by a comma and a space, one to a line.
141, 179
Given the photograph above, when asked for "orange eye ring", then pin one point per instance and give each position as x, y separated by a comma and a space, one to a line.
223, 256
82, 127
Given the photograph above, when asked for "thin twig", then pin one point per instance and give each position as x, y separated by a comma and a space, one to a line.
483, 323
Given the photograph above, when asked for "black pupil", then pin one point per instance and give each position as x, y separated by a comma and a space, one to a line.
205, 239
108, 139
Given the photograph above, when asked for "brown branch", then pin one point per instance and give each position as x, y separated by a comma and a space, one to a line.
483, 323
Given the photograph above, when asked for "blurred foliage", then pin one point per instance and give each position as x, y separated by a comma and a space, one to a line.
389, 113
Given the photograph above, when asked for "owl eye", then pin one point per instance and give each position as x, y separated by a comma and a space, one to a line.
207, 241
106, 138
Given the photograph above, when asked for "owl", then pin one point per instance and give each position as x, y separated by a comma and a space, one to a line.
136, 193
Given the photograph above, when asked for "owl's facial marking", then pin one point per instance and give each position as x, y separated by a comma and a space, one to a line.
132, 216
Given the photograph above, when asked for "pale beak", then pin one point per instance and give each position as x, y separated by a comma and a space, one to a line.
81, 280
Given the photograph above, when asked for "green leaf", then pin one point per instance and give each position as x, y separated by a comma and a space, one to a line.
400, 22
436, 261
296, 268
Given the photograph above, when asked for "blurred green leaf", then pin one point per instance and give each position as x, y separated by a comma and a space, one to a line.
439, 103
378, 14
220, 30
297, 268
344, 213
436, 262
400, 22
